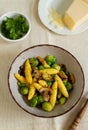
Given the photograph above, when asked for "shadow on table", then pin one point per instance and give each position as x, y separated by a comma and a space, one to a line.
35, 12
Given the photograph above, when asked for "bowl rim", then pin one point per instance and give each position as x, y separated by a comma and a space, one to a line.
41, 45
13, 13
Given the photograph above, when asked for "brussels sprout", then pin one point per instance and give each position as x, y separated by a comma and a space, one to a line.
34, 62
69, 86
46, 106
62, 100
49, 62
65, 82
40, 99
56, 66
67, 72
21, 84
24, 90
49, 82
34, 101
40, 67
50, 59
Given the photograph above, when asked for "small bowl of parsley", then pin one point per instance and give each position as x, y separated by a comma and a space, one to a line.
14, 26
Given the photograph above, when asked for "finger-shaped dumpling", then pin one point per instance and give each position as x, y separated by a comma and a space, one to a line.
61, 86
37, 86
27, 71
53, 96
31, 92
20, 78
49, 71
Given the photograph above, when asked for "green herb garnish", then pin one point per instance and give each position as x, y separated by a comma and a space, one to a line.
14, 28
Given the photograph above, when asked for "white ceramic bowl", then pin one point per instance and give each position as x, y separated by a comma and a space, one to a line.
10, 15
64, 57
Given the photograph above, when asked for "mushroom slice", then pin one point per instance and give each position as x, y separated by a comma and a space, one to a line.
44, 63
72, 78
63, 75
45, 92
37, 74
45, 89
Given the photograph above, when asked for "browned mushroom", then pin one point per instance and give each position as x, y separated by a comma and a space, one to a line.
37, 74
63, 75
44, 63
72, 78
45, 92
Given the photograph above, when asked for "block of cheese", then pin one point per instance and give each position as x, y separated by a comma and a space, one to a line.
76, 14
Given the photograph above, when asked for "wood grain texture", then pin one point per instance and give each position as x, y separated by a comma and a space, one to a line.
12, 117
79, 116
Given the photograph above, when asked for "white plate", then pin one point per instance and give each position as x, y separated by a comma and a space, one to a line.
61, 6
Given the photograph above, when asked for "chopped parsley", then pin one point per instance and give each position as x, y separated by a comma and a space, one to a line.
15, 27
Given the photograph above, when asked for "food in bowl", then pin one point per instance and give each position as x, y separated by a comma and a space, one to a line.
63, 57
44, 82
14, 26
